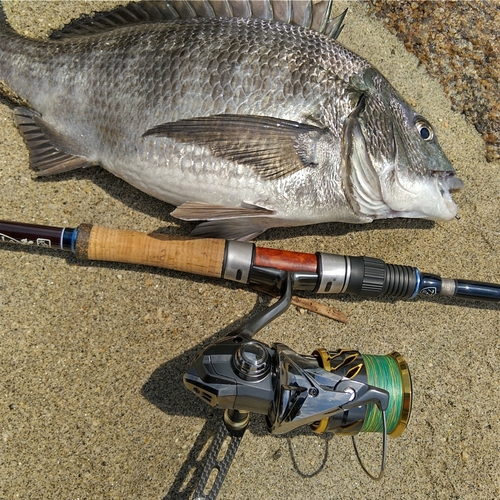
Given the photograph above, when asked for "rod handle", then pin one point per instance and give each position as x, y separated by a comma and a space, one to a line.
204, 256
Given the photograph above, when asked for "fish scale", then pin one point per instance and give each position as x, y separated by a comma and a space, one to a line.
247, 123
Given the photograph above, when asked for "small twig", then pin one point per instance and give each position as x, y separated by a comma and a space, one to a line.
310, 305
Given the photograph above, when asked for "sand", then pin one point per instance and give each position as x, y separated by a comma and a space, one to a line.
92, 354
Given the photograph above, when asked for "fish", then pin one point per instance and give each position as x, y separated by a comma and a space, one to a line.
243, 114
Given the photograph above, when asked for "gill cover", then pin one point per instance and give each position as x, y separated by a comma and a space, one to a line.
393, 165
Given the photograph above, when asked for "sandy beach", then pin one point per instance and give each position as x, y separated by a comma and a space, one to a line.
92, 355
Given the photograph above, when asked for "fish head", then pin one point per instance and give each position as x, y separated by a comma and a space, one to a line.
393, 163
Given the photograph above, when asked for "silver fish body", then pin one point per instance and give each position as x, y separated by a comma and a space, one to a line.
246, 123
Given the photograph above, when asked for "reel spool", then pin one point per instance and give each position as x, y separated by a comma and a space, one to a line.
389, 372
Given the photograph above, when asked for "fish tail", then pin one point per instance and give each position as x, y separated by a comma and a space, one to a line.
6, 30
3, 17
4, 24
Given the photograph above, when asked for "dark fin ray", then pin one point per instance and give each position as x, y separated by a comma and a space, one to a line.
242, 229
240, 8
50, 152
272, 147
304, 13
282, 11
195, 210
222, 8
335, 26
187, 9
262, 9
321, 16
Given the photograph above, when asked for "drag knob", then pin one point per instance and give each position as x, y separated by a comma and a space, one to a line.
251, 361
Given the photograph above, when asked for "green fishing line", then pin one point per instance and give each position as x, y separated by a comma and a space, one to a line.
383, 372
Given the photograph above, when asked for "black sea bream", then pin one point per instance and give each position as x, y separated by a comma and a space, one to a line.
248, 115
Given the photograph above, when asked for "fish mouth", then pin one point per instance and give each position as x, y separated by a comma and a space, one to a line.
428, 196
447, 183
423, 196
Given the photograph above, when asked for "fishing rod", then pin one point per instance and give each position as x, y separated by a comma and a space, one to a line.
246, 263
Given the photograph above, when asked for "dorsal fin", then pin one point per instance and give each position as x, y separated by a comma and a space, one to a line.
133, 13
305, 13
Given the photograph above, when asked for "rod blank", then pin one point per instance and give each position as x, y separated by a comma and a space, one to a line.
247, 263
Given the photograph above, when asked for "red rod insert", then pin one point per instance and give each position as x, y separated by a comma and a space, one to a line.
285, 260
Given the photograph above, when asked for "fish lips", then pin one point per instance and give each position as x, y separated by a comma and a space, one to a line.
448, 183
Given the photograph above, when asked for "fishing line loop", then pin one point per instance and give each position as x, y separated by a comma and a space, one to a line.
384, 450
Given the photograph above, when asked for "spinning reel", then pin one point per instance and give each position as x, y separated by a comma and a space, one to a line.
341, 392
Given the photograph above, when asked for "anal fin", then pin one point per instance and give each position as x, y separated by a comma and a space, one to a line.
243, 229
50, 151
230, 223
195, 210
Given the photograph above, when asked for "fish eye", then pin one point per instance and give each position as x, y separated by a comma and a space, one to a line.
424, 129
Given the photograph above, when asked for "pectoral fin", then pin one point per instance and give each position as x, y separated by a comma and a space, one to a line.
50, 151
272, 147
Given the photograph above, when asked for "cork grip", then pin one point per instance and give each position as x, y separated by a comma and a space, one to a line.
198, 256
